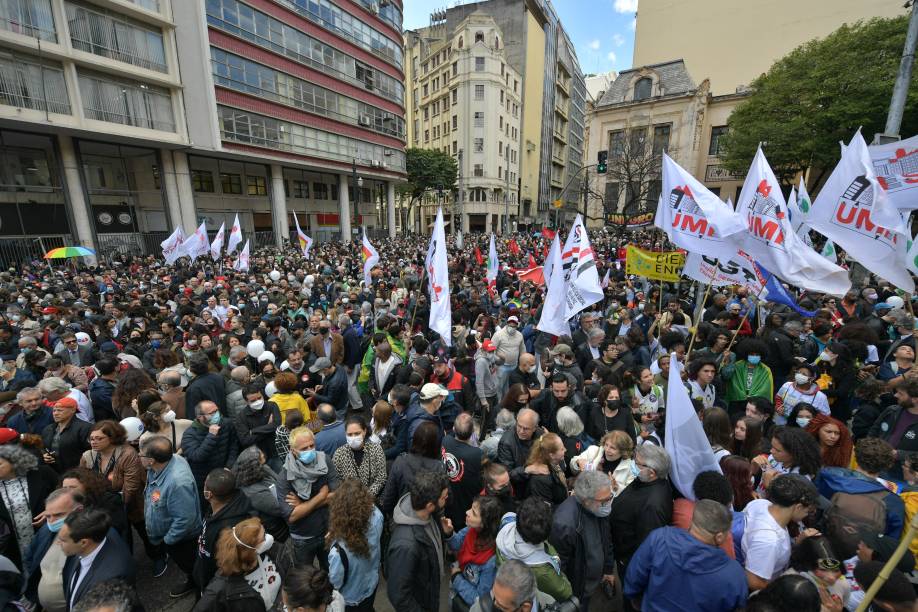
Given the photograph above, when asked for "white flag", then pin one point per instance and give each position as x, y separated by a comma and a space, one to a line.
493, 265
197, 244
441, 318
217, 245
911, 256
370, 259
771, 240
581, 278
798, 204
693, 217
843, 212
828, 251
172, 246
896, 167
304, 240
459, 241
235, 237
242, 262
686, 443
720, 272
605, 279
553, 260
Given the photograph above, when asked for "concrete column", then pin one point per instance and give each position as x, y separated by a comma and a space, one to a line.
185, 192
76, 197
173, 204
279, 206
390, 208
344, 206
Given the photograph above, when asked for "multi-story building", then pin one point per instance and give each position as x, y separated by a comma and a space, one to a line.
465, 101
552, 96
121, 119
683, 88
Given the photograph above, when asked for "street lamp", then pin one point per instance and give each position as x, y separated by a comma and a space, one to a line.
358, 183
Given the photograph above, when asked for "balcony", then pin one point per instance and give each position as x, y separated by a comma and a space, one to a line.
28, 83
30, 18
118, 39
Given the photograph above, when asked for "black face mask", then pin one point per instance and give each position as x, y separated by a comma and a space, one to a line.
323, 331
505, 492
613, 405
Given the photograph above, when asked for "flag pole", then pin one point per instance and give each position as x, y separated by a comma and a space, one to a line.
707, 291
890, 564
414, 311
736, 333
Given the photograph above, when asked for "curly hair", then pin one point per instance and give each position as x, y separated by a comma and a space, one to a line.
801, 446
130, 385
236, 552
749, 346
350, 510
874, 455
113, 430
832, 456
22, 460
95, 487
248, 467
490, 510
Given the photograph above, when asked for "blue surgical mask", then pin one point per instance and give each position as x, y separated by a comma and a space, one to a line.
55, 526
802, 421
154, 344
214, 419
754, 359
307, 456
603, 510
635, 470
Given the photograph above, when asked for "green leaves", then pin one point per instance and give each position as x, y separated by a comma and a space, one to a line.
819, 94
429, 169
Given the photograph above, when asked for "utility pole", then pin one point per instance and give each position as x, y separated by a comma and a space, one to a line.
900, 89
461, 198
356, 195
586, 194
507, 191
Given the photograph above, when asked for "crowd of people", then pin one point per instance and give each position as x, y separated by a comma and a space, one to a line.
291, 438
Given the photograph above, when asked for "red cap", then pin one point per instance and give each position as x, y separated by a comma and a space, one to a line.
8, 435
66, 402
49, 310
487, 345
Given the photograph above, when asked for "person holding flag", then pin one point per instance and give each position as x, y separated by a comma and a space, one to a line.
304, 240
493, 265
172, 246
217, 245
235, 237
370, 259
197, 244
242, 262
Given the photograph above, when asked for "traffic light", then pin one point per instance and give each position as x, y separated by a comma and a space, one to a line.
601, 162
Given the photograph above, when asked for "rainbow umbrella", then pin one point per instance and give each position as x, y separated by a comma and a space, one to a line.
69, 251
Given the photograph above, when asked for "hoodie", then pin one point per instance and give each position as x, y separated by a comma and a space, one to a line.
236, 510
834, 480
673, 570
415, 560
542, 559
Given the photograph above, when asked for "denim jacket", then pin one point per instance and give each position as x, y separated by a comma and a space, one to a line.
474, 580
362, 573
171, 505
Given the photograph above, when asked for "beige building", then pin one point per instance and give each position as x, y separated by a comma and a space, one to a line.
732, 42
465, 101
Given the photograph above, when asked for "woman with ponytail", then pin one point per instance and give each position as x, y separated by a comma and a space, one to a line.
545, 468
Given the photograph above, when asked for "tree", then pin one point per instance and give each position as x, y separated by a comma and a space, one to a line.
817, 95
634, 169
427, 169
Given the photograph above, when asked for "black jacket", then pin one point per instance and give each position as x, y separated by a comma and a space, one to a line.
205, 452
638, 510
211, 387
547, 406
229, 594
73, 442
253, 428
352, 353
334, 391
584, 544
400, 476
114, 561
883, 428
781, 352
205, 564
513, 452
547, 487
40, 483
413, 581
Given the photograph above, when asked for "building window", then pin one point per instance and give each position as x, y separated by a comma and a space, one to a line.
661, 138
500, 172
455, 147
426, 135
500, 124
320, 190
616, 143
479, 119
119, 39
716, 133
32, 18
255, 185
436, 83
460, 44
27, 83
516, 85
479, 170
500, 148
479, 92
642, 88
455, 68
479, 64
455, 122
426, 113
230, 183
610, 201
426, 90
501, 96
126, 102
455, 96
300, 189
638, 139
479, 36
478, 144
202, 181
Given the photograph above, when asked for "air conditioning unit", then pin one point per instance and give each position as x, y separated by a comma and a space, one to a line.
376, 163
365, 120
389, 152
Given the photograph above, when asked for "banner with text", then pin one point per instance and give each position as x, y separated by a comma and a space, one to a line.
665, 266
739, 270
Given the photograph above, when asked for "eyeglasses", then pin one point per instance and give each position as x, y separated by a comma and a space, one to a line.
70, 342
97, 438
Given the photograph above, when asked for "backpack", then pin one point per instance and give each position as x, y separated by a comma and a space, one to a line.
852, 514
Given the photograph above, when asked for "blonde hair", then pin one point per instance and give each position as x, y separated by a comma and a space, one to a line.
234, 558
621, 441
302, 430
542, 448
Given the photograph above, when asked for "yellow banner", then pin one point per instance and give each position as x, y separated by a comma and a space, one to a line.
665, 266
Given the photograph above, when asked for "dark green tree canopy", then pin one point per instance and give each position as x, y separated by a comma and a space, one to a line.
428, 169
819, 94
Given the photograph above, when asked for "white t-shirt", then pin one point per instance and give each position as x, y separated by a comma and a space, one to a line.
791, 396
766, 544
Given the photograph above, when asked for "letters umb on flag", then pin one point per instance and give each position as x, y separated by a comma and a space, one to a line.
686, 442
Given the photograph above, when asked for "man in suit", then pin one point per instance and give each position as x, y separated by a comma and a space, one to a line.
92, 557
73, 353
327, 344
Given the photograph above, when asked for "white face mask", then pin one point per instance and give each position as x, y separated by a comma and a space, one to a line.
257, 405
801, 379
168, 416
355, 442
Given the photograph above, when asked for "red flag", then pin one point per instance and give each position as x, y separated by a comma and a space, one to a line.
545, 251
532, 261
478, 256
548, 234
533, 275
514, 247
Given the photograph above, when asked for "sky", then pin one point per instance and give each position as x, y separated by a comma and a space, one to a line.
602, 30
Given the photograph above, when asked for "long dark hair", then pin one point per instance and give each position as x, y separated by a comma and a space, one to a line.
738, 471
751, 446
802, 447
490, 509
